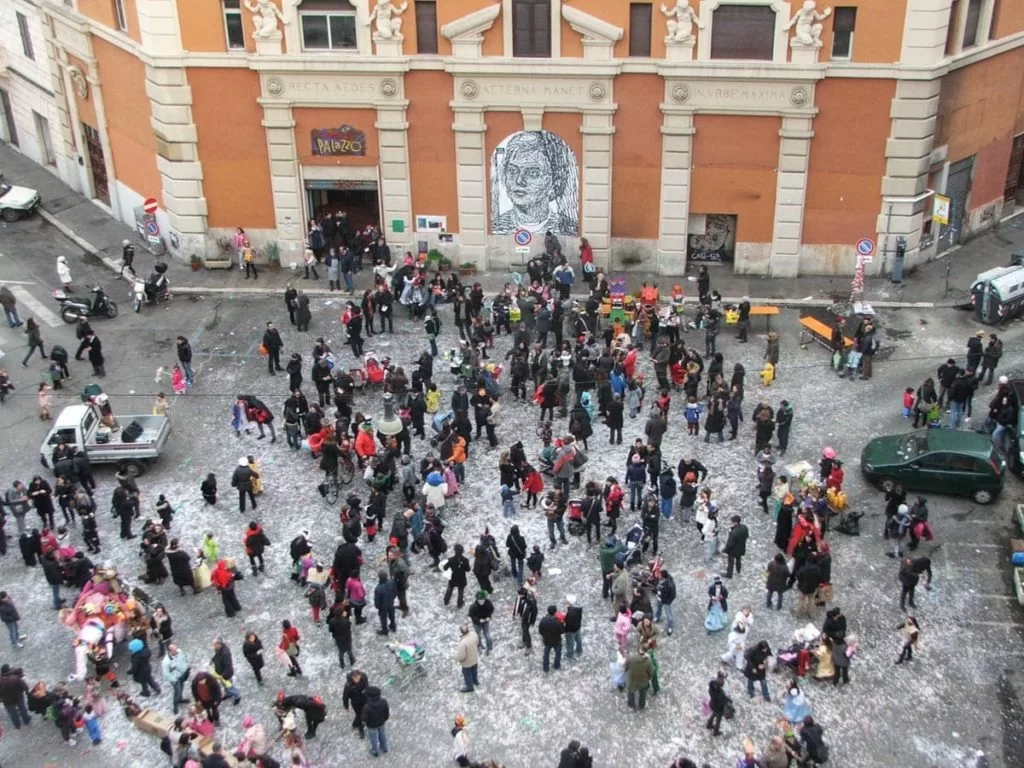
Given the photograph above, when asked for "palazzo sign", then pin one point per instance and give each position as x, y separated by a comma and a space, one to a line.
339, 142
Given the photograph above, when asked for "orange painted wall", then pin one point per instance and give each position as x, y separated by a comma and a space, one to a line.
976, 117
86, 106
1010, 18
844, 185
202, 27
432, 148
636, 157
103, 12
232, 147
877, 34
127, 110
450, 10
734, 162
309, 119
614, 12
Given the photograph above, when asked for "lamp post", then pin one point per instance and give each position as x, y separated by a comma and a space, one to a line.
390, 424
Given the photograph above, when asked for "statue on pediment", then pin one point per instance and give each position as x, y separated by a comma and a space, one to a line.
386, 15
680, 28
265, 16
808, 33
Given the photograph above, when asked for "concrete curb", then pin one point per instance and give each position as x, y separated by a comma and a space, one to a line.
191, 290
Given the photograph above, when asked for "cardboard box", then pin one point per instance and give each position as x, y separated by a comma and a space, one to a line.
205, 744
1017, 545
153, 723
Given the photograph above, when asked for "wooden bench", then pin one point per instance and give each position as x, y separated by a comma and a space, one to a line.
765, 310
814, 330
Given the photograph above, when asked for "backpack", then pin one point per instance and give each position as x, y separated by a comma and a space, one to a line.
579, 458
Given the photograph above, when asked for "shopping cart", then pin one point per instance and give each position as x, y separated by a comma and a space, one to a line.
410, 656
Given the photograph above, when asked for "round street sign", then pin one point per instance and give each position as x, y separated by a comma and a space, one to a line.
149, 205
152, 228
523, 237
865, 246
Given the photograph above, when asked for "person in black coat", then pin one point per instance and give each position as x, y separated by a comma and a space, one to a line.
354, 694
718, 703
354, 332
736, 546
346, 559
784, 526
340, 626
458, 564
835, 625
242, 480
312, 706
54, 577
141, 669
777, 581
30, 548
180, 563
551, 631
813, 739
252, 649
384, 596
755, 668
613, 418
807, 577
515, 543
273, 343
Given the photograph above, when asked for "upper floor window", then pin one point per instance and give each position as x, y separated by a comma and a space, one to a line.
993, 23
531, 28
26, 35
640, 29
328, 25
844, 20
954, 19
119, 16
971, 23
743, 32
426, 26
233, 24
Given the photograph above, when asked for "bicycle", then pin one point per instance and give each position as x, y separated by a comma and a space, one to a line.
329, 489
346, 468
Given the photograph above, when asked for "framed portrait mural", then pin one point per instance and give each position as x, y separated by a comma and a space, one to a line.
534, 185
711, 238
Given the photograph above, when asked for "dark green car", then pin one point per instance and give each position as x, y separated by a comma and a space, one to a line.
937, 460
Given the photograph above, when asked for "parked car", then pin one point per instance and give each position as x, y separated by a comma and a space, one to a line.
16, 202
956, 462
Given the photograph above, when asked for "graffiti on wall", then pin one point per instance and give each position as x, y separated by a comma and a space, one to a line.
338, 142
534, 185
717, 243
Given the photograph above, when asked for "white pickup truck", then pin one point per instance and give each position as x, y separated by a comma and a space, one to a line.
79, 426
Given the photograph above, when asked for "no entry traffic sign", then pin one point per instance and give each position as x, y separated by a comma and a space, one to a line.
523, 237
865, 246
149, 205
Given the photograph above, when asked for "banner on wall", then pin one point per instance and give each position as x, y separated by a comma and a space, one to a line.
339, 142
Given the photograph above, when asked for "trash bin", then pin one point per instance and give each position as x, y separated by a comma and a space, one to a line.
897, 262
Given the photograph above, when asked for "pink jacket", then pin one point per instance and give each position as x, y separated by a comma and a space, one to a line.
355, 590
239, 241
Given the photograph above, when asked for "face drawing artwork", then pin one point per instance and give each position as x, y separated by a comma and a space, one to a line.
534, 185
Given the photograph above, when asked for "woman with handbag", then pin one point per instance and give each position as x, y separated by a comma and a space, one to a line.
290, 646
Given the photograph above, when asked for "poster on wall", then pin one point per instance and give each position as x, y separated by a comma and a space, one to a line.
339, 142
534, 185
717, 243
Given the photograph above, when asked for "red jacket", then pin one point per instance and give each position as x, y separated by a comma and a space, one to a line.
221, 577
365, 444
289, 637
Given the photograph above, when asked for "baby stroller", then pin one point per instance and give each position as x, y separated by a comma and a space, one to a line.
373, 371
575, 514
634, 546
650, 578
547, 460
849, 522
409, 657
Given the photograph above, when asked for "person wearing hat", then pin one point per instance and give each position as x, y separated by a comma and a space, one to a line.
975, 350
480, 613
573, 627
242, 480
141, 668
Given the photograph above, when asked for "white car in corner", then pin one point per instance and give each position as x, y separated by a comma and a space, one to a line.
16, 202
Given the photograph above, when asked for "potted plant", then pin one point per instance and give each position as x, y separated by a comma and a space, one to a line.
273, 253
225, 255
467, 268
195, 262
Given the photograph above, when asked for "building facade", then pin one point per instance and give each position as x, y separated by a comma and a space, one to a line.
766, 135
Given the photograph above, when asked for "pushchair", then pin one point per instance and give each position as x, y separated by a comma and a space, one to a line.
373, 371
410, 656
634, 546
546, 459
574, 512
650, 578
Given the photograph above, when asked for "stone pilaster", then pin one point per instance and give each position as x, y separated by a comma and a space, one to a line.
471, 176
596, 224
393, 135
284, 174
790, 192
676, 160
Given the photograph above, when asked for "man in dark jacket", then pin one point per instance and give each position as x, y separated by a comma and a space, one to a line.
783, 423
736, 546
808, 578
224, 666
909, 578
551, 631
54, 577
813, 739
384, 596
743, 323
376, 714
946, 373
755, 667
613, 418
719, 702
141, 668
975, 351
573, 625
458, 565
990, 359
355, 694
689, 464
274, 345
13, 690
666, 596
655, 427
242, 480
312, 706
480, 613
185, 358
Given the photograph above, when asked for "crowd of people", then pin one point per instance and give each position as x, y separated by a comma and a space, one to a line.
579, 369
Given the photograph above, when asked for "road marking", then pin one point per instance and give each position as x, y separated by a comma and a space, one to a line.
16, 282
979, 545
37, 307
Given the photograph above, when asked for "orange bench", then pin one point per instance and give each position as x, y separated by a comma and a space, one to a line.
815, 330
765, 310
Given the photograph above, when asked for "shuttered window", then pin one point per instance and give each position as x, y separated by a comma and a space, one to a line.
640, 29
743, 32
531, 28
426, 26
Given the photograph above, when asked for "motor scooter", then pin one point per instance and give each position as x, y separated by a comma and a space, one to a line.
155, 289
74, 307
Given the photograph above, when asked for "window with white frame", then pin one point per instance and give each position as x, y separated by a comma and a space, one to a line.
233, 30
971, 24
843, 21
26, 35
328, 25
119, 15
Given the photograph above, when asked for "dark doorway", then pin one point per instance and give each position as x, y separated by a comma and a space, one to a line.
97, 164
358, 199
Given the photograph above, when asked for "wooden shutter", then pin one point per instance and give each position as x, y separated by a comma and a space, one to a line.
531, 28
426, 26
743, 32
640, 29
